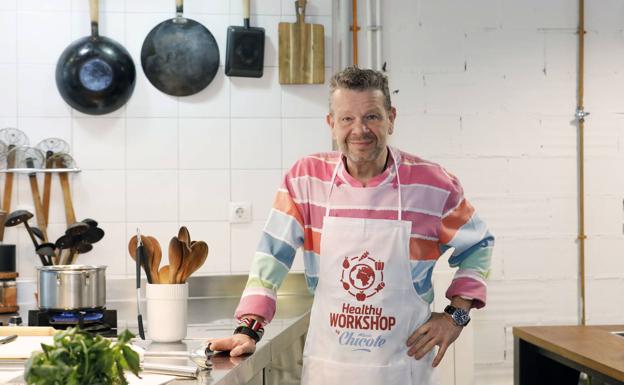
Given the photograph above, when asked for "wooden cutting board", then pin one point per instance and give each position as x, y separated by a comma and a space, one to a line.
301, 50
22, 347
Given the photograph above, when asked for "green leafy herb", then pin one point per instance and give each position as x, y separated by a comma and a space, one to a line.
80, 358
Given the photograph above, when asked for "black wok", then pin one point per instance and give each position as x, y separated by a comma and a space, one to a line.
95, 74
180, 56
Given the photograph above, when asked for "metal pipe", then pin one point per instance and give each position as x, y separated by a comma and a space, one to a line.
344, 34
378, 35
373, 34
370, 23
580, 115
355, 32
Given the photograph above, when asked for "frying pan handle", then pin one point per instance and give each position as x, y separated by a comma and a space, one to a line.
179, 7
94, 10
246, 12
300, 6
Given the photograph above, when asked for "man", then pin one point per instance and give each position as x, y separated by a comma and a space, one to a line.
372, 220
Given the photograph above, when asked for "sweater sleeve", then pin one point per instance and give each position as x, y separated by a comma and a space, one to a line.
464, 230
281, 236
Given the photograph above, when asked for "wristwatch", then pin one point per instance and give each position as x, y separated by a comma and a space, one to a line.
459, 316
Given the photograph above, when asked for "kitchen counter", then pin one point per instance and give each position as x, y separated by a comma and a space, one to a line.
278, 354
556, 354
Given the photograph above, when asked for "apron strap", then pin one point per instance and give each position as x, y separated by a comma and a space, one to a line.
331, 186
396, 169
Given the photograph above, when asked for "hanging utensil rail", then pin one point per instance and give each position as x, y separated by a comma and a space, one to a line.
42, 170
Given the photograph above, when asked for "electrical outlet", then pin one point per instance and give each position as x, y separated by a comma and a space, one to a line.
240, 212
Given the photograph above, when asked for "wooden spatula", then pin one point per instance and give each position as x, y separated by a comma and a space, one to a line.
301, 50
195, 260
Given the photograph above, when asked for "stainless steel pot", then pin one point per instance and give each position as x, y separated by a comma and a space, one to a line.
71, 287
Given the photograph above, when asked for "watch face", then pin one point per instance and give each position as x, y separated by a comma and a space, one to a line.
461, 317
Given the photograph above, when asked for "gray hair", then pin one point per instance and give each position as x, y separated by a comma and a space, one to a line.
356, 79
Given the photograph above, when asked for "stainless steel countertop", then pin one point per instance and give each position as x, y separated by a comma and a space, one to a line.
212, 317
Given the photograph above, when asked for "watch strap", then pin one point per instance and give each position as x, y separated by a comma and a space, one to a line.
460, 316
250, 327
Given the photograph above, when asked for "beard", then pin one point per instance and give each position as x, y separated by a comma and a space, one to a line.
369, 154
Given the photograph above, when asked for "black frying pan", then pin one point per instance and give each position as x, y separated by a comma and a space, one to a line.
245, 48
95, 74
180, 56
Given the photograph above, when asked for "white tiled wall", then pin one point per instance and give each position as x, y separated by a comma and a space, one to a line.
160, 161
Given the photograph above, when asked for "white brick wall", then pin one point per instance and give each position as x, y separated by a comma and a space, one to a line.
506, 70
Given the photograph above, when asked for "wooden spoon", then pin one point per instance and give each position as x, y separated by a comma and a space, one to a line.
195, 260
163, 274
175, 258
186, 252
156, 257
152, 276
184, 236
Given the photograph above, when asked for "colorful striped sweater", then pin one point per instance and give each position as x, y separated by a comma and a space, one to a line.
433, 201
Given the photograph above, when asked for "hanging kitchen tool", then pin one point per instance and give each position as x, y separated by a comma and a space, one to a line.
12, 137
3, 147
95, 74
245, 48
32, 158
47, 250
37, 233
81, 247
301, 50
22, 216
50, 146
94, 234
63, 160
180, 56
65, 242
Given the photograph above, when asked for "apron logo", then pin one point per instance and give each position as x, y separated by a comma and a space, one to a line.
362, 276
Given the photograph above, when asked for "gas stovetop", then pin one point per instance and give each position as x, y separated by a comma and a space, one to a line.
99, 321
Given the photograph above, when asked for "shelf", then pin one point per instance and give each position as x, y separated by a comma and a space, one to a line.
37, 170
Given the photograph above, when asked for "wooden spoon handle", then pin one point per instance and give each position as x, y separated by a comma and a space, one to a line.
70, 216
34, 190
47, 188
8, 189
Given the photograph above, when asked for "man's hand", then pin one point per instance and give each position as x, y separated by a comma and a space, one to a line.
439, 330
238, 344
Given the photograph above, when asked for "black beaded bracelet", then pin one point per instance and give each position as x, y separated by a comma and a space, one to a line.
256, 336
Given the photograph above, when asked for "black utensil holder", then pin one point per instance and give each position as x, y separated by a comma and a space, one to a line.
7, 258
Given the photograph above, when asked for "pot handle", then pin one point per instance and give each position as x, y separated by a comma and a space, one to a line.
94, 13
86, 276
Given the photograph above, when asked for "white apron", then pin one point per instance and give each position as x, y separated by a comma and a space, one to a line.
365, 305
